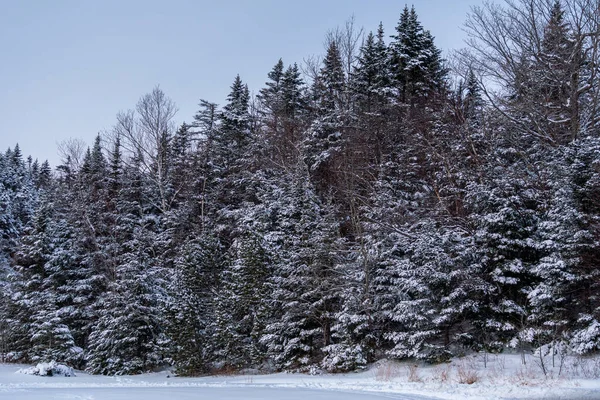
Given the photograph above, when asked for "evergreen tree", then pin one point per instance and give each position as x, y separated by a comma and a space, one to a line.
580, 293
294, 114
325, 139
417, 66
192, 315
231, 158
304, 299
292, 93
271, 95
206, 119
128, 336
241, 309
329, 86
558, 78
233, 137
38, 292
116, 169
371, 79
42, 178
273, 111
473, 102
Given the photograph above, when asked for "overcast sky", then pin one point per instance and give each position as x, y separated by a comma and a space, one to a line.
68, 66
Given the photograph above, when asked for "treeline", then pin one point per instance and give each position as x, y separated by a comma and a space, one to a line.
376, 204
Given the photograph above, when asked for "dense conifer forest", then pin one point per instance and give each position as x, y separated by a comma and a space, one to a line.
377, 202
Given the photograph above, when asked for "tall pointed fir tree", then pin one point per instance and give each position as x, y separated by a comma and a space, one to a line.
294, 103
233, 187
305, 238
241, 312
417, 66
232, 140
560, 60
129, 336
325, 138
192, 313
370, 79
270, 97
580, 293
42, 303
283, 105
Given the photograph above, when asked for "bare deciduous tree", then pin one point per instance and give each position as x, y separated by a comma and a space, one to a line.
348, 40
311, 66
146, 132
507, 47
71, 152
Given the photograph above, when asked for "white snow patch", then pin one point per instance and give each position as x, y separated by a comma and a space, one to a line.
48, 369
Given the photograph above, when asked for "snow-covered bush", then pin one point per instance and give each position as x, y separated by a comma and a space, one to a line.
48, 369
587, 340
343, 357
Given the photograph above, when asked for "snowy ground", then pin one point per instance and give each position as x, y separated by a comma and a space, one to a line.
504, 377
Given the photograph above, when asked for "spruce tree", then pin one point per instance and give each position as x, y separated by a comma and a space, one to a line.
324, 140
43, 267
230, 143
192, 315
417, 66
370, 79
304, 299
271, 96
241, 312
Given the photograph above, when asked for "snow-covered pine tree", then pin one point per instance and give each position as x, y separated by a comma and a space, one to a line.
416, 64
42, 309
241, 310
585, 177
192, 312
205, 121
283, 105
294, 102
271, 99
472, 103
370, 80
325, 138
128, 336
556, 79
304, 300
233, 137
18, 199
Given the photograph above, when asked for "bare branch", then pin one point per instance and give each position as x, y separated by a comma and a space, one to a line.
71, 152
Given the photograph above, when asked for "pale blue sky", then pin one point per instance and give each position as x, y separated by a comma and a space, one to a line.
68, 66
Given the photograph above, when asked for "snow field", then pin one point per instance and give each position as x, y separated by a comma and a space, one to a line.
473, 377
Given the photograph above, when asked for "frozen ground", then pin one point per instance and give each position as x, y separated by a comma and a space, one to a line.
197, 393
503, 377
